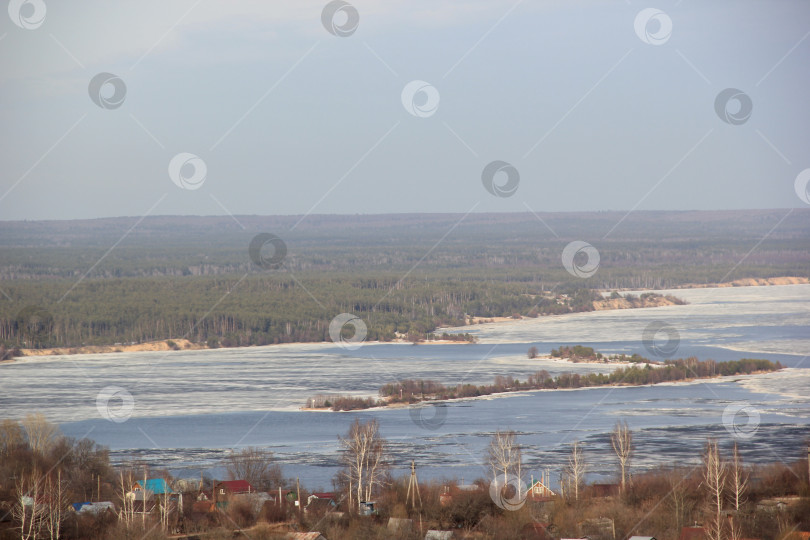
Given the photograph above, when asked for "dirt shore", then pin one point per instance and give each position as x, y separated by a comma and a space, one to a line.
607, 304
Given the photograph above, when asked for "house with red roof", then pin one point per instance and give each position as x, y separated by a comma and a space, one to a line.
233, 487
693, 533
225, 490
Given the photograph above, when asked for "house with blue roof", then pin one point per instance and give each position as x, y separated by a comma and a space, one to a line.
157, 486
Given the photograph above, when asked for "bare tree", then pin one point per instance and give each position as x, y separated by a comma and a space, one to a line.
738, 481
622, 441
11, 436
56, 510
714, 480
678, 501
254, 465
127, 511
504, 455
575, 470
365, 457
41, 434
28, 509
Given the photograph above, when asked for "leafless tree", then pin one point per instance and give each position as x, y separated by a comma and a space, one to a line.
738, 479
40, 432
254, 465
504, 455
575, 470
164, 503
677, 500
738, 483
28, 509
365, 457
622, 441
127, 509
714, 480
11, 436
56, 510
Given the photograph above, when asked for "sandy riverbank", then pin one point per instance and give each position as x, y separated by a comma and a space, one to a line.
606, 304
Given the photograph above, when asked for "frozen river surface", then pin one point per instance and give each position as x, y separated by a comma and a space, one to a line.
191, 407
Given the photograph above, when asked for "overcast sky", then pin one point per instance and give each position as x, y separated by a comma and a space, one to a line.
595, 105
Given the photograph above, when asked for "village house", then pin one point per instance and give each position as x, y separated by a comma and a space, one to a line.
223, 492
226, 488
282, 495
603, 491
539, 490
95, 508
204, 507
156, 486
367, 508
692, 533
321, 502
452, 490
146, 495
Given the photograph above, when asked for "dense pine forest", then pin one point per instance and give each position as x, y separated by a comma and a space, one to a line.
120, 281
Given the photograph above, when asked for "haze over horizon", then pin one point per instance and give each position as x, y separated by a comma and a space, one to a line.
597, 105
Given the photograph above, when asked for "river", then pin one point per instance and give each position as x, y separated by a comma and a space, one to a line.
189, 408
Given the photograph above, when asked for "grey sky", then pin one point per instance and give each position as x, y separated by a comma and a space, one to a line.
289, 118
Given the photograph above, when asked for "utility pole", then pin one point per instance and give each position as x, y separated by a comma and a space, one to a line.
413, 488
298, 487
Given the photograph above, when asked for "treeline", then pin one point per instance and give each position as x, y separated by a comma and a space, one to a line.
417, 390
579, 353
414, 391
263, 309
650, 249
337, 402
193, 278
644, 299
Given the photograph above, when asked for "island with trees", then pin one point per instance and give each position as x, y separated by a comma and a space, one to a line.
412, 391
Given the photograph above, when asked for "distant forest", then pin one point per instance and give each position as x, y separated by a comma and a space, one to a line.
108, 281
